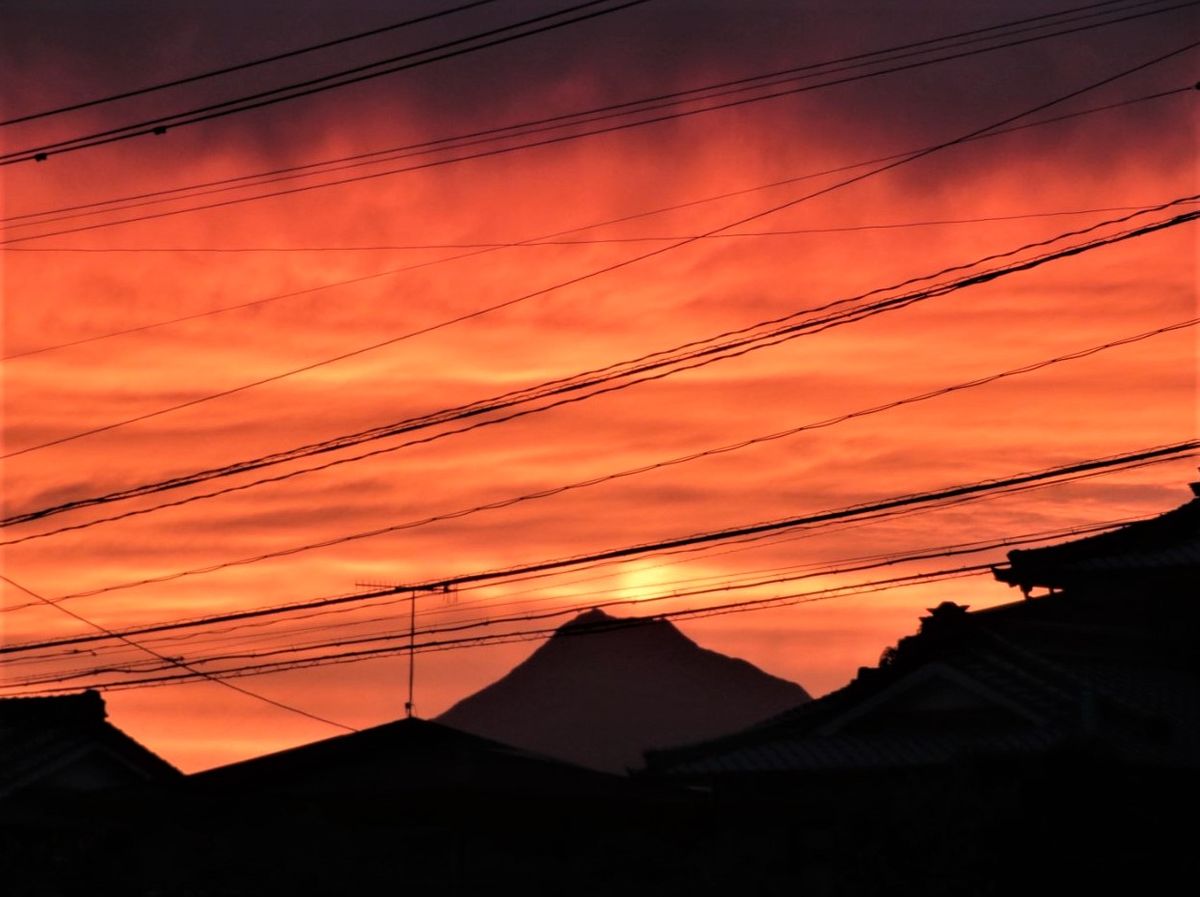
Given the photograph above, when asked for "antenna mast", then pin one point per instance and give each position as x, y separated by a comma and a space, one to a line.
412, 650
446, 589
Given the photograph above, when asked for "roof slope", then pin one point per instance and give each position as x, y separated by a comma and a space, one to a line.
66, 744
603, 689
1164, 548
1018, 680
403, 758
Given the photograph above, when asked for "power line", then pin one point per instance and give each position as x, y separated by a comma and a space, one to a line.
650, 367
711, 585
242, 66
641, 469
168, 119
586, 599
487, 153
1185, 448
758, 540
556, 122
579, 241
525, 635
733, 607
512, 131
533, 241
556, 118
1081, 469
173, 661
764, 540
529, 634
853, 179
679, 555
161, 124
489, 622
261, 653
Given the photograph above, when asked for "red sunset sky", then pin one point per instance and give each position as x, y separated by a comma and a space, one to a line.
954, 206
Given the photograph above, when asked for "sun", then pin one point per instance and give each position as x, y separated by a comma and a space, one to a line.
645, 580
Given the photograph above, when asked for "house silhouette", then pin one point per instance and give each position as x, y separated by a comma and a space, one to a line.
65, 744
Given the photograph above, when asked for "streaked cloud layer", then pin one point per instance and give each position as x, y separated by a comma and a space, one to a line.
1139, 395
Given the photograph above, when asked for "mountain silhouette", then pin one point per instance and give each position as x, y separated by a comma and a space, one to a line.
604, 689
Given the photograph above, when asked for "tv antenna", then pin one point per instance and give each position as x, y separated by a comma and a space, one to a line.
448, 590
412, 650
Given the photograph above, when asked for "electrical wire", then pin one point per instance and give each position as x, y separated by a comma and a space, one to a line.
296, 90
114, 666
582, 629
853, 179
545, 239
191, 670
593, 241
736, 343
242, 66
1081, 469
492, 135
703, 585
643, 468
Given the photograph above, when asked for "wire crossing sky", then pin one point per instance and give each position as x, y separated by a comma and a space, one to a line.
678, 361
242, 66
437, 298
655, 253
172, 662
634, 107
1084, 468
159, 126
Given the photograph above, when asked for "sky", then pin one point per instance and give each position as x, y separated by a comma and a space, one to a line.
121, 320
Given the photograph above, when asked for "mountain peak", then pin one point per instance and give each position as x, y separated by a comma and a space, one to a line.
603, 689
596, 620
593, 617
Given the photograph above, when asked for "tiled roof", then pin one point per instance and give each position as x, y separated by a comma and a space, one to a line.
46, 741
1162, 546
77, 709
841, 752
404, 757
1010, 700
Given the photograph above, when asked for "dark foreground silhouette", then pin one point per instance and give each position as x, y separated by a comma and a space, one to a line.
1068, 821
602, 690
1052, 743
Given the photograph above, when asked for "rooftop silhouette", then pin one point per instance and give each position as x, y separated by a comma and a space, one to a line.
66, 744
